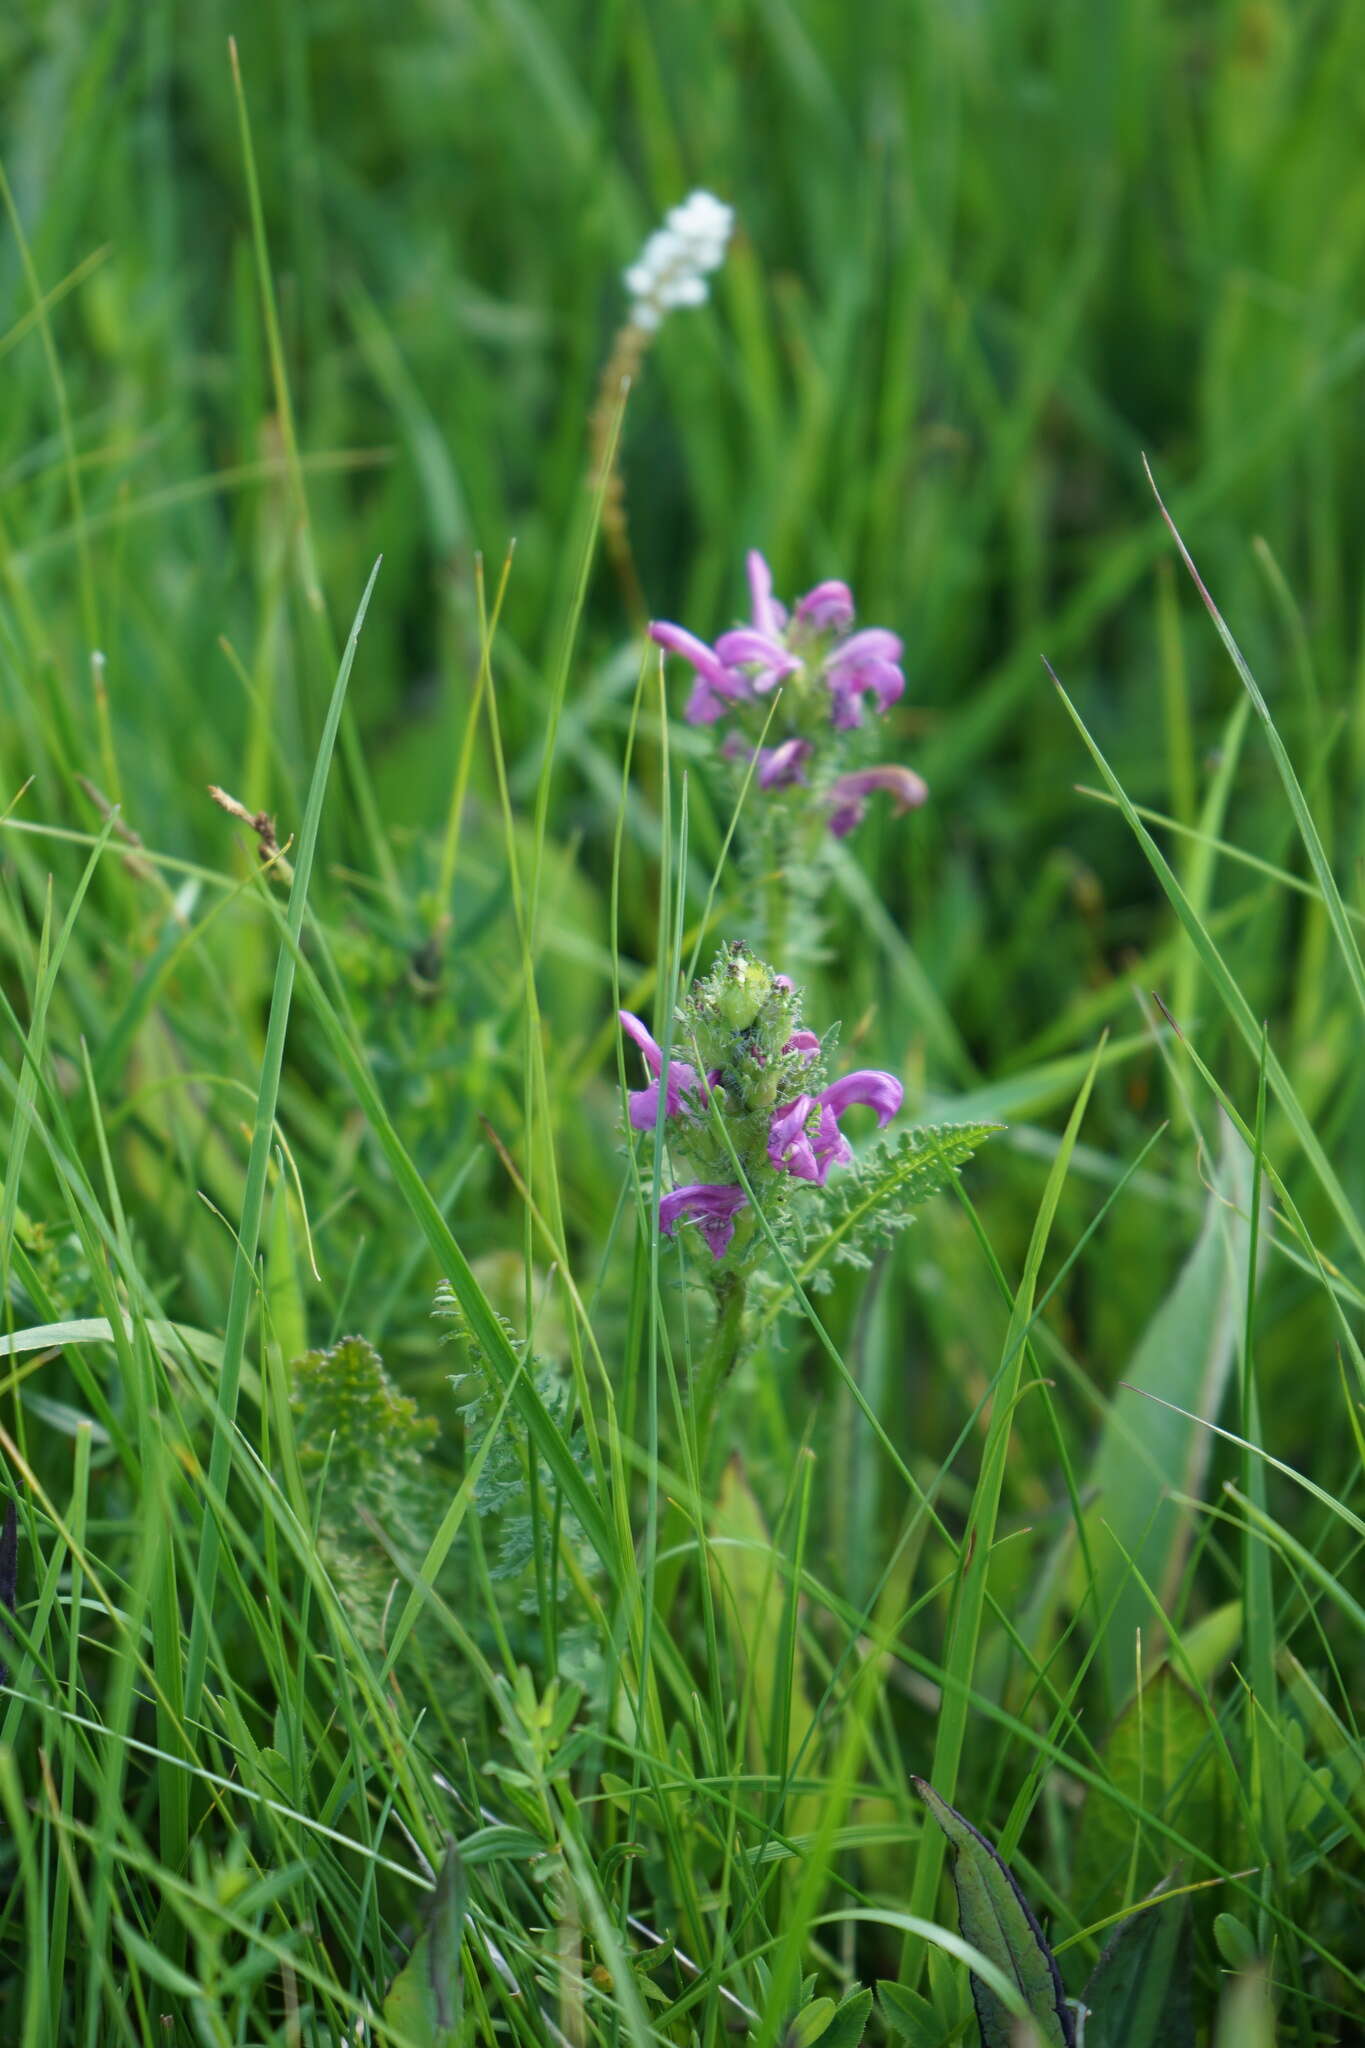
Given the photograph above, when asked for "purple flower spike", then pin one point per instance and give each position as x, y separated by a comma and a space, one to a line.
848, 795
789, 1149
780, 766
710, 1206
682, 1079
828, 608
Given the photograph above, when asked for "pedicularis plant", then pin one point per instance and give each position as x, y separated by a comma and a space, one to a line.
748, 1107
797, 694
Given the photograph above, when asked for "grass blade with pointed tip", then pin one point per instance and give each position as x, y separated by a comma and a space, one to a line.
243, 1287
1298, 802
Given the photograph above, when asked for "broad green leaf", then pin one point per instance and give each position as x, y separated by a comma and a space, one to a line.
1207, 1645
997, 1919
1339, 1750
1146, 1452
1139, 1993
1236, 1943
1159, 1755
99, 1330
159, 1966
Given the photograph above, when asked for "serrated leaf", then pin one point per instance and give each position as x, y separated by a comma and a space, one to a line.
876, 1202
997, 1919
845, 2030
1139, 1994
909, 2016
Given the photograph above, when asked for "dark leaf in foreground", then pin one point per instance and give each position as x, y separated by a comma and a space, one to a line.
1139, 1992
997, 1919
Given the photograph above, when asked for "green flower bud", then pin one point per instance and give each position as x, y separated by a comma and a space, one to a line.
743, 993
763, 1094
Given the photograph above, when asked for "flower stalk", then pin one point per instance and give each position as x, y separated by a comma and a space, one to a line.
670, 273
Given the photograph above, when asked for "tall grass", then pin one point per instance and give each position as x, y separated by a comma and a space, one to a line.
500, 1695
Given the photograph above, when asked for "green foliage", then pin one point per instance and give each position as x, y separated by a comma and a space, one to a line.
908, 2016
1139, 1994
1148, 1451
999, 1923
1163, 1761
867, 1211
364, 1451
425, 2002
505, 1482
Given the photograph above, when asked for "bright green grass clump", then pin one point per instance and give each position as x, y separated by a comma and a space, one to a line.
440, 1609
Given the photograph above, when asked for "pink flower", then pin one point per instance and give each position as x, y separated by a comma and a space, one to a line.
762, 654
789, 1149
782, 765
682, 1079
848, 795
829, 676
871, 1087
870, 661
769, 617
712, 1207
778, 767
828, 608
716, 688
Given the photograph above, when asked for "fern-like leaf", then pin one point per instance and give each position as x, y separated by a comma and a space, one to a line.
365, 1445
867, 1209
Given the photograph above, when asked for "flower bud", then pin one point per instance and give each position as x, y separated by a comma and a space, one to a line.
743, 993
763, 1094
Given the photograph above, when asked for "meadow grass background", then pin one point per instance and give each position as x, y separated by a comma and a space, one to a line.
986, 259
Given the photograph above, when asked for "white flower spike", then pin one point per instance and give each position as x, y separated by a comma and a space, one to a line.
673, 266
